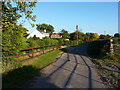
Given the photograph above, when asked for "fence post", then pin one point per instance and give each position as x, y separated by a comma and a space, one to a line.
17, 57
111, 46
43, 50
49, 48
58, 46
32, 52
53, 47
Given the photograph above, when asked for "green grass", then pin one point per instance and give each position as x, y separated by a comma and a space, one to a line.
43, 60
25, 72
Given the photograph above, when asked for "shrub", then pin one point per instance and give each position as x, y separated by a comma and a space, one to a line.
116, 41
100, 48
36, 42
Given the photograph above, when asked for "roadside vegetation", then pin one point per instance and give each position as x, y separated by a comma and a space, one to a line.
13, 41
25, 71
107, 64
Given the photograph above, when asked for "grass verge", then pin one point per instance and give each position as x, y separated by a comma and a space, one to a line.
27, 70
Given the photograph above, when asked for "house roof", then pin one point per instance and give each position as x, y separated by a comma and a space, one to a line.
55, 35
41, 31
38, 33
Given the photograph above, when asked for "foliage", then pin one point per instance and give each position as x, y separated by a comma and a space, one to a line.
116, 41
36, 42
81, 36
50, 41
108, 36
72, 36
92, 36
64, 34
12, 33
48, 28
99, 48
117, 35
104, 36
108, 66
95, 35
13, 41
60, 40
18, 76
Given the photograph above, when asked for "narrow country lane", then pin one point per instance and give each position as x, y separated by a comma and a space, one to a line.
71, 70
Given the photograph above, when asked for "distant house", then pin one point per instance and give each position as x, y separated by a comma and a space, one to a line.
55, 35
38, 33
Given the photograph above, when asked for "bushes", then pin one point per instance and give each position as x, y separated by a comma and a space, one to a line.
36, 42
107, 64
116, 41
12, 41
99, 48
50, 41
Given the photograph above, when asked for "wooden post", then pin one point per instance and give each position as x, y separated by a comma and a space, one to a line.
39, 51
43, 50
77, 34
49, 48
111, 46
32, 53
53, 47
58, 46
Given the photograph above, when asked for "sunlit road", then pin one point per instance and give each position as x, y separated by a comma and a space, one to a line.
70, 70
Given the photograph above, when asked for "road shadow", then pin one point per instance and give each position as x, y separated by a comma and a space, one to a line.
42, 81
21, 78
81, 51
72, 50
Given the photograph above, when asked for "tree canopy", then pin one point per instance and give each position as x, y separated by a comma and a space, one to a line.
12, 33
48, 28
117, 35
64, 34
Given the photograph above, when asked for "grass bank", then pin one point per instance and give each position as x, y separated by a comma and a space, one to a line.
28, 69
108, 65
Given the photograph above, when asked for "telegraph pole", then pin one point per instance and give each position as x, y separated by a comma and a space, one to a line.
77, 34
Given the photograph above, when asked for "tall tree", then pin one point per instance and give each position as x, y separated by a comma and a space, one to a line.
72, 36
64, 34
48, 28
12, 33
41, 26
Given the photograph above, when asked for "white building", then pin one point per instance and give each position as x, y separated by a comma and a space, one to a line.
38, 33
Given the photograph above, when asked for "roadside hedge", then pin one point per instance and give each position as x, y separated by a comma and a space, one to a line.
36, 42
99, 48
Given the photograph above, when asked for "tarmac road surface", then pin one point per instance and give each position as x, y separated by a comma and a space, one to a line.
73, 69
